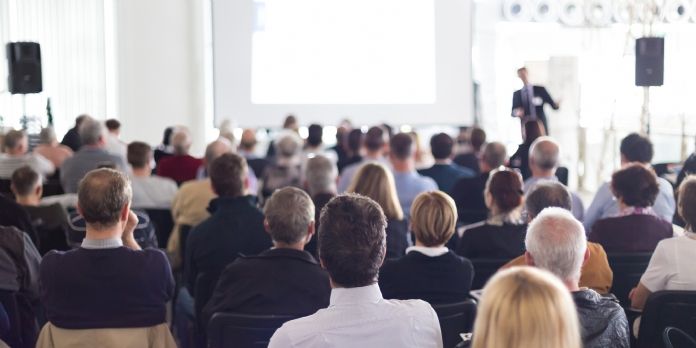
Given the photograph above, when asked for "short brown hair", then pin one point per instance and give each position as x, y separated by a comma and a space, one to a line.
441, 146
505, 187
112, 124
13, 139
24, 180
227, 174
374, 138
636, 185
289, 212
433, 218
101, 196
352, 240
139, 154
477, 138
401, 146
687, 201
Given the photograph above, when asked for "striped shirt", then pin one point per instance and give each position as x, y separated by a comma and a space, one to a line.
9, 163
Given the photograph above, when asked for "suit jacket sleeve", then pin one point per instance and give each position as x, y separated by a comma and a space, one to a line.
547, 98
516, 102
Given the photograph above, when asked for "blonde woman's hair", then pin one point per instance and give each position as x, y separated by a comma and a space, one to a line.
433, 218
374, 180
526, 307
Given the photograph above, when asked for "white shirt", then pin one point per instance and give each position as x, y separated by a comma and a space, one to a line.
360, 317
429, 251
8, 164
671, 266
115, 146
153, 192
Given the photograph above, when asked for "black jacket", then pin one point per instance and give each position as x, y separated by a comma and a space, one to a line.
437, 280
468, 196
539, 92
235, 227
486, 241
397, 238
72, 139
12, 214
602, 320
277, 281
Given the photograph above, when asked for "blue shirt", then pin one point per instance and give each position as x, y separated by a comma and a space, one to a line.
446, 175
409, 185
604, 205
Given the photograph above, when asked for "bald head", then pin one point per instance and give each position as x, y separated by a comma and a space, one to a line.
556, 242
103, 198
248, 141
546, 194
181, 142
543, 156
216, 149
494, 156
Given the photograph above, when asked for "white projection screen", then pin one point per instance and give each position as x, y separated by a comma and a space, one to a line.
396, 61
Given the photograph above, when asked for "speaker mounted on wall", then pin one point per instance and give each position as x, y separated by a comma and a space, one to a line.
24, 67
650, 61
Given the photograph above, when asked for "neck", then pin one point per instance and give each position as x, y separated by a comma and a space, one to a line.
142, 172
106, 233
542, 173
402, 166
375, 155
572, 285
420, 244
30, 200
443, 161
15, 152
93, 146
295, 246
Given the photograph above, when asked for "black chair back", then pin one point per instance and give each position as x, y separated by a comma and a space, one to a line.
231, 330
627, 269
672, 335
164, 223
455, 319
484, 269
664, 309
205, 285
6, 188
52, 187
23, 330
562, 175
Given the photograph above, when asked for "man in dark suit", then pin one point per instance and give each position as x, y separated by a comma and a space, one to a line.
72, 137
283, 280
528, 102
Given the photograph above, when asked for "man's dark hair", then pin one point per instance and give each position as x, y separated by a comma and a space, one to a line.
545, 195
227, 174
636, 185
24, 180
315, 133
139, 154
374, 138
112, 124
441, 146
494, 154
167, 136
636, 148
352, 240
477, 138
101, 196
79, 119
401, 146
13, 139
354, 139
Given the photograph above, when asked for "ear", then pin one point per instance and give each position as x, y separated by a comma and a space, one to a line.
488, 199
125, 211
528, 259
246, 182
586, 257
266, 226
79, 209
311, 229
39, 190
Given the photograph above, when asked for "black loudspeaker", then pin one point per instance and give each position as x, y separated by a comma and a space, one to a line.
650, 61
24, 61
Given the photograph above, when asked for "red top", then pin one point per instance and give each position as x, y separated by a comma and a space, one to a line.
179, 168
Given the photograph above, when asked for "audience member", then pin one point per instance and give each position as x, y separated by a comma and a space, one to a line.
687, 169
13, 215
500, 236
472, 157
544, 155
419, 156
314, 144
284, 280
165, 149
374, 147
235, 226
226, 131
596, 273
114, 145
181, 166
341, 149
352, 248
429, 271
636, 228
109, 282
91, 156
669, 267
286, 170
50, 148
72, 138
50, 221
526, 307
149, 191
468, 192
190, 204
520, 159
375, 181
290, 125
351, 153
16, 155
634, 148
444, 172
218, 147
320, 182
247, 149
556, 242
409, 183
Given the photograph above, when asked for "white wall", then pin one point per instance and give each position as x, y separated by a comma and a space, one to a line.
160, 70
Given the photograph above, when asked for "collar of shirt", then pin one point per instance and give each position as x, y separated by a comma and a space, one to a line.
637, 211
111, 243
429, 251
352, 296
